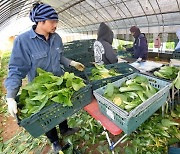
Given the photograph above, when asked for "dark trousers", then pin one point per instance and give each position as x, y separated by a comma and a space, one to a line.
52, 135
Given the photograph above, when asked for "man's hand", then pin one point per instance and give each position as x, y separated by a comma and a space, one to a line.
77, 65
139, 59
12, 106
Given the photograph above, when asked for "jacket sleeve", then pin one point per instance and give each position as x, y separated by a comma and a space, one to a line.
143, 47
65, 61
130, 49
19, 66
110, 54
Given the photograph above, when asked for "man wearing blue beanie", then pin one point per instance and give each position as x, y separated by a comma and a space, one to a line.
39, 47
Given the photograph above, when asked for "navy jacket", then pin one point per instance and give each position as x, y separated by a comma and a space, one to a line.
140, 47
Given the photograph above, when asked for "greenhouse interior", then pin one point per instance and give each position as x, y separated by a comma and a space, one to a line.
90, 77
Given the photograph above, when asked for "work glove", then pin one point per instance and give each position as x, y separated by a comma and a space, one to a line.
12, 106
139, 59
121, 60
77, 65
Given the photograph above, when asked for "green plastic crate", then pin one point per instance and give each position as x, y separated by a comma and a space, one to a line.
176, 55
52, 115
123, 68
129, 121
125, 54
86, 58
78, 46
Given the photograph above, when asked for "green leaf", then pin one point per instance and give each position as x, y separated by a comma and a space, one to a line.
34, 109
49, 86
23, 96
59, 81
141, 95
129, 107
43, 103
68, 83
32, 87
158, 74
140, 79
109, 89
164, 133
133, 87
24, 111
177, 81
38, 97
57, 99
86, 137
77, 84
67, 101
129, 150
168, 123
68, 75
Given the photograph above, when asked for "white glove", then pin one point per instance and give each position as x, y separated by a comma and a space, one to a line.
121, 60
12, 106
77, 65
139, 59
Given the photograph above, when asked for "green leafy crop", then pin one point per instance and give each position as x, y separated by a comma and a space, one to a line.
46, 89
100, 72
131, 93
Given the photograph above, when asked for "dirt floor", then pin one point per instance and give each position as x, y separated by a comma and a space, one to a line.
9, 127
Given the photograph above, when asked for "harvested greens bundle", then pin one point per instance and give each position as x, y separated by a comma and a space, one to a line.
170, 73
46, 89
100, 72
131, 93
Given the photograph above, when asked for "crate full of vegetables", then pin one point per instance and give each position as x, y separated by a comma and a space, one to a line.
171, 73
48, 100
129, 101
100, 75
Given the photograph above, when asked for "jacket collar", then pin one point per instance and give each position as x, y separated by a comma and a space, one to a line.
33, 34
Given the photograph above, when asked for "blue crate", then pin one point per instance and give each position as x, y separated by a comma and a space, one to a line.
173, 150
129, 121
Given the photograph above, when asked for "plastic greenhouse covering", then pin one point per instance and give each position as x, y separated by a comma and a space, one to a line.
82, 16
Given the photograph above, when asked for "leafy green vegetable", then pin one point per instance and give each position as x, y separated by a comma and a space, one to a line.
168, 123
141, 79
131, 93
46, 89
177, 81
109, 90
154, 136
100, 72
170, 73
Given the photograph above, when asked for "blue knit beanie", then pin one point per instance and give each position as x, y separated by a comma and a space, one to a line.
42, 12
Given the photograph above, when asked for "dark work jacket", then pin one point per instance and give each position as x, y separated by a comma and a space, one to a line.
105, 37
140, 47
